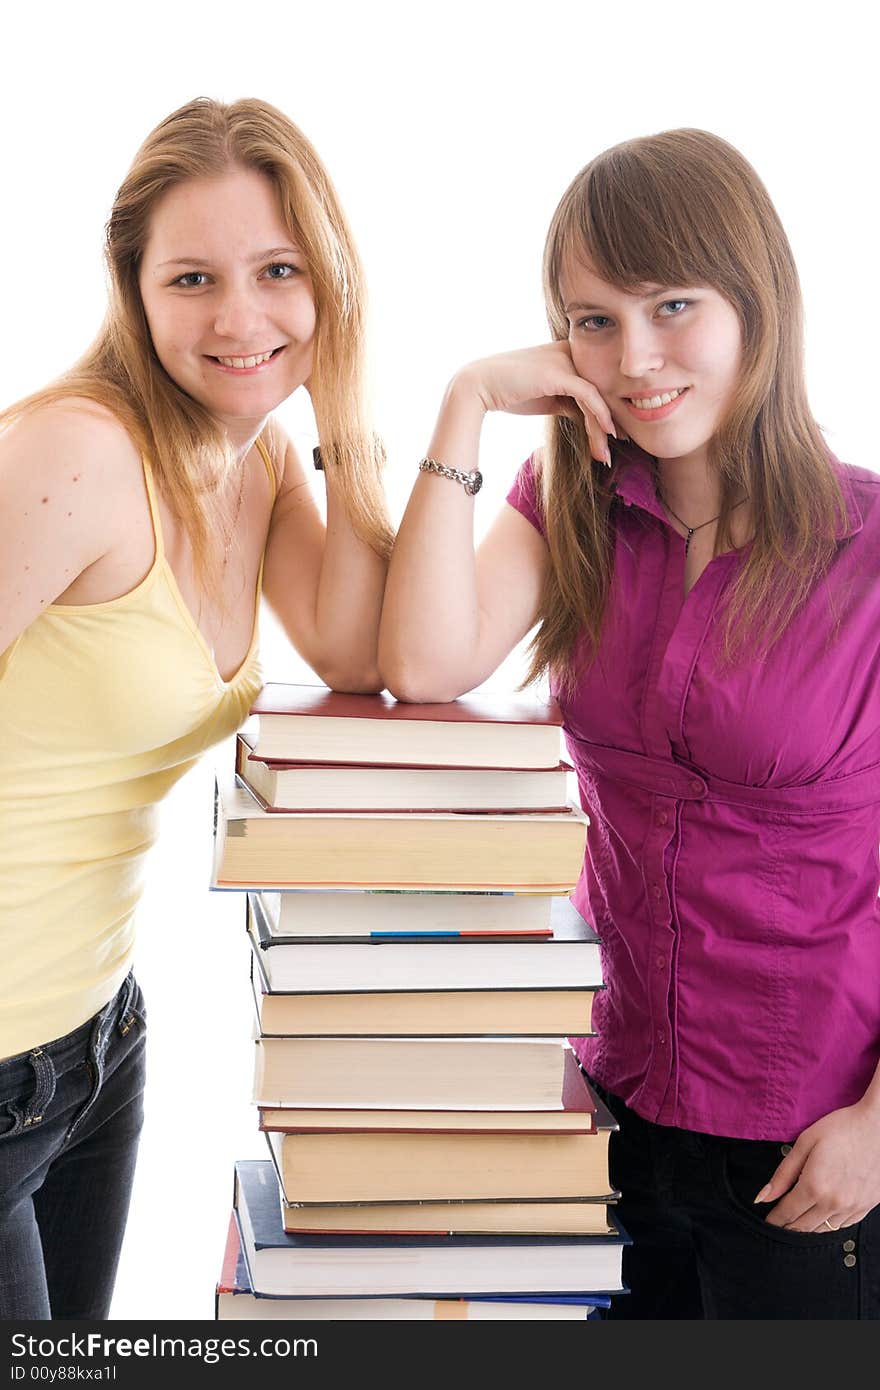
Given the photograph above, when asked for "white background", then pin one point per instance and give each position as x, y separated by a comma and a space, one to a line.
450, 131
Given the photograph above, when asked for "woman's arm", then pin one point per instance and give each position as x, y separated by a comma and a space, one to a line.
450, 616
59, 482
324, 583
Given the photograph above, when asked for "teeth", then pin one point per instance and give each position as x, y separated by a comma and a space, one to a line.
245, 361
653, 402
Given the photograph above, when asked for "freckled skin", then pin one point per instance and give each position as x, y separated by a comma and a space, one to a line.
44, 499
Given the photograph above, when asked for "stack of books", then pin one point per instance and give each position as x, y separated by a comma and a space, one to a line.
433, 1148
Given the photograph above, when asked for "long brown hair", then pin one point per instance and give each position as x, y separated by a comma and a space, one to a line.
187, 448
685, 208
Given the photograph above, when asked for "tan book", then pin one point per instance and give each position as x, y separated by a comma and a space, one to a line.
370, 1167
255, 848
540, 1012
411, 1073
587, 1218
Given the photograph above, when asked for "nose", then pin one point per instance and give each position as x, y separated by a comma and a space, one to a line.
640, 351
238, 316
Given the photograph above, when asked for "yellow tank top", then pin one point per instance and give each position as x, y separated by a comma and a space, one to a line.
103, 707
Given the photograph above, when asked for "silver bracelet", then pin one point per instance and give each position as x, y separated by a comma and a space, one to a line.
471, 482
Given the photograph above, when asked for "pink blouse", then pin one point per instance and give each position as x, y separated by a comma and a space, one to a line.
732, 864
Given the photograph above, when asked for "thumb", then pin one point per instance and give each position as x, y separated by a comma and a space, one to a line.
785, 1176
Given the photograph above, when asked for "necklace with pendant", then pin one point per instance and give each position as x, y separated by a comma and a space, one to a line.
691, 529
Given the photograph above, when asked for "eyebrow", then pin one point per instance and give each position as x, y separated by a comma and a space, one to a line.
582, 307
261, 256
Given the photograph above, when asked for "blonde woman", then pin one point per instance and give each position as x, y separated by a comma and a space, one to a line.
704, 576
147, 500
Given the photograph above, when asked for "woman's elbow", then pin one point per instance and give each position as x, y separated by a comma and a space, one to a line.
351, 680
418, 687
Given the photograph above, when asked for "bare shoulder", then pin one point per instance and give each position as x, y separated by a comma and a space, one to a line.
75, 427
69, 474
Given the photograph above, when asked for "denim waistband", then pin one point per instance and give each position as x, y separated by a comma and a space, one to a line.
69, 1051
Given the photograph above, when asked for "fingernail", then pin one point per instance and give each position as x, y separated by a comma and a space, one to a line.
613, 430
762, 1195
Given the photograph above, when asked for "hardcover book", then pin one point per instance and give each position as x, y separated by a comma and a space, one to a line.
569, 958
438, 1266
411, 1073
311, 724
256, 848
343, 787
351, 914
568, 1111
586, 1216
432, 1166
236, 1300
422, 1013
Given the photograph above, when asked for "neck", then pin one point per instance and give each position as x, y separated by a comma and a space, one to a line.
241, 435
690, 487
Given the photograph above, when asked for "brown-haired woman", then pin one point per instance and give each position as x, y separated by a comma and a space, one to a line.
705, 578
147, 499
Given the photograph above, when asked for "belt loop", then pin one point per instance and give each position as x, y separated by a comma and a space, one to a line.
45, 1082
125, 1015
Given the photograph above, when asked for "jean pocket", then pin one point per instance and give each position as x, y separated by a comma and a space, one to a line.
740, 1170
11, 1120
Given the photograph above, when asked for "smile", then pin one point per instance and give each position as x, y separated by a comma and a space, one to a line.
246, 365
656, 407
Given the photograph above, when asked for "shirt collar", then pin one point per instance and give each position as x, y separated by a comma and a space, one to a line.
635, 482
636, 485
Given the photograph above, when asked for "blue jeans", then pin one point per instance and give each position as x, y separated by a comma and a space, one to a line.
70, 1119
702, 1249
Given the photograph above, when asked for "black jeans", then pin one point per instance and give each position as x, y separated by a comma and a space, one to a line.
70, 1119
702, 1249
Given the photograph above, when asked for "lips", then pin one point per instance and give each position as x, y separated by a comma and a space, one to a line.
656, 406
233, 362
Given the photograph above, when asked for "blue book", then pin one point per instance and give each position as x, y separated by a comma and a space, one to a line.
235, 1299
433, 1266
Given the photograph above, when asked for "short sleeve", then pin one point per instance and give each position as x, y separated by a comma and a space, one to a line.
523, 495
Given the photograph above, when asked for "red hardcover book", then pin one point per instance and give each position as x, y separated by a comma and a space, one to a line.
280, 786
312, 724
231, 1255
575, 1113
317, 1167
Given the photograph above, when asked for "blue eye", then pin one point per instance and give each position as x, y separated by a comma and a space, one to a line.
188, 279
675, 307
594, 322
288, 271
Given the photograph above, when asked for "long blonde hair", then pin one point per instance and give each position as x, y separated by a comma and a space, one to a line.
685, 208
187, 448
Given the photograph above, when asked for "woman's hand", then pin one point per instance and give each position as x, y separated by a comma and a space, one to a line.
835, 1171
541, 381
